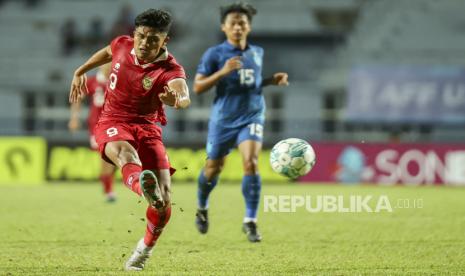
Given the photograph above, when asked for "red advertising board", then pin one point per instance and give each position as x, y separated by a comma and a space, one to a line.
389, 164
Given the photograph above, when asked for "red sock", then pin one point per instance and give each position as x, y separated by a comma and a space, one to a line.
131, 174
156, 221
107, 182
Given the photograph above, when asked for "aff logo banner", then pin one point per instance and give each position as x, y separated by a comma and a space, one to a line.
406, 94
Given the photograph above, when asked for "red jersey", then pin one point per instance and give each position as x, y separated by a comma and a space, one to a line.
96, 88
133, 88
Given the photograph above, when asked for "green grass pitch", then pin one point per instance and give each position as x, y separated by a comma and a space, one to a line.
68, 229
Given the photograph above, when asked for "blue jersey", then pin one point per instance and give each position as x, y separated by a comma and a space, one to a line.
239, 100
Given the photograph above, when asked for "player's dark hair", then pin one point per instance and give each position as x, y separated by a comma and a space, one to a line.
239, 7
157, 19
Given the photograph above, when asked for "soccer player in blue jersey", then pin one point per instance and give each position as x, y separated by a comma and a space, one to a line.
238, 113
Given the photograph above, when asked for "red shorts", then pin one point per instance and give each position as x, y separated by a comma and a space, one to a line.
145, 138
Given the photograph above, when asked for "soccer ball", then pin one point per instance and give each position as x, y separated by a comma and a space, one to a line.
292, 157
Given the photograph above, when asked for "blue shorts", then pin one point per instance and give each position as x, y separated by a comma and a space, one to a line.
221, 140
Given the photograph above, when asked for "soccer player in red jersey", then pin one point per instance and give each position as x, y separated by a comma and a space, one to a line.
96, 89
143, 78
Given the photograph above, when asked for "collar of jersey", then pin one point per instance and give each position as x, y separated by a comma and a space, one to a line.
162, 57
229, 46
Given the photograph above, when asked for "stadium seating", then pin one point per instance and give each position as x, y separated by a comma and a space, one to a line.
385, 33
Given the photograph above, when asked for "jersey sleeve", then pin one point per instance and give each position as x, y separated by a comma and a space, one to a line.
209, 63
175, 71
116, 42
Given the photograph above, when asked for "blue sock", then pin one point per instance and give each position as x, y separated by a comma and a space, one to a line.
251, 186
204, 189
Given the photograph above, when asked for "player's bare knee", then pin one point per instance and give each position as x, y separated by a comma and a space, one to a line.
212, 172
251, 165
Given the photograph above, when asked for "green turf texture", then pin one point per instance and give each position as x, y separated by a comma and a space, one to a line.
68, 229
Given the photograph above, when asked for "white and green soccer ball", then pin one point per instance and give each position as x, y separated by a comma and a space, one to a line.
292, 157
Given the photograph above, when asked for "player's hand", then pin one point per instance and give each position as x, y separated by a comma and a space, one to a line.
280, 79
78, 88
74, 124
232, 64
169, 97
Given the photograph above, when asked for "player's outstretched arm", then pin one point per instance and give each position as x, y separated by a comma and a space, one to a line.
204, 83
78, 85
279, 78
176, 94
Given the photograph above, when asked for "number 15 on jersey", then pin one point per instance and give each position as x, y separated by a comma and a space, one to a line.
246, 76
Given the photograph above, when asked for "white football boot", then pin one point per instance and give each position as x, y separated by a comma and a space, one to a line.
139, 256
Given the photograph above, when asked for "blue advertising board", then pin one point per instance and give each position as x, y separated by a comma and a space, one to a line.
406, 94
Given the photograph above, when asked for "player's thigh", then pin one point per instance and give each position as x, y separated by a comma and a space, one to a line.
249, 142
116, 143
120, 153
250, 151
